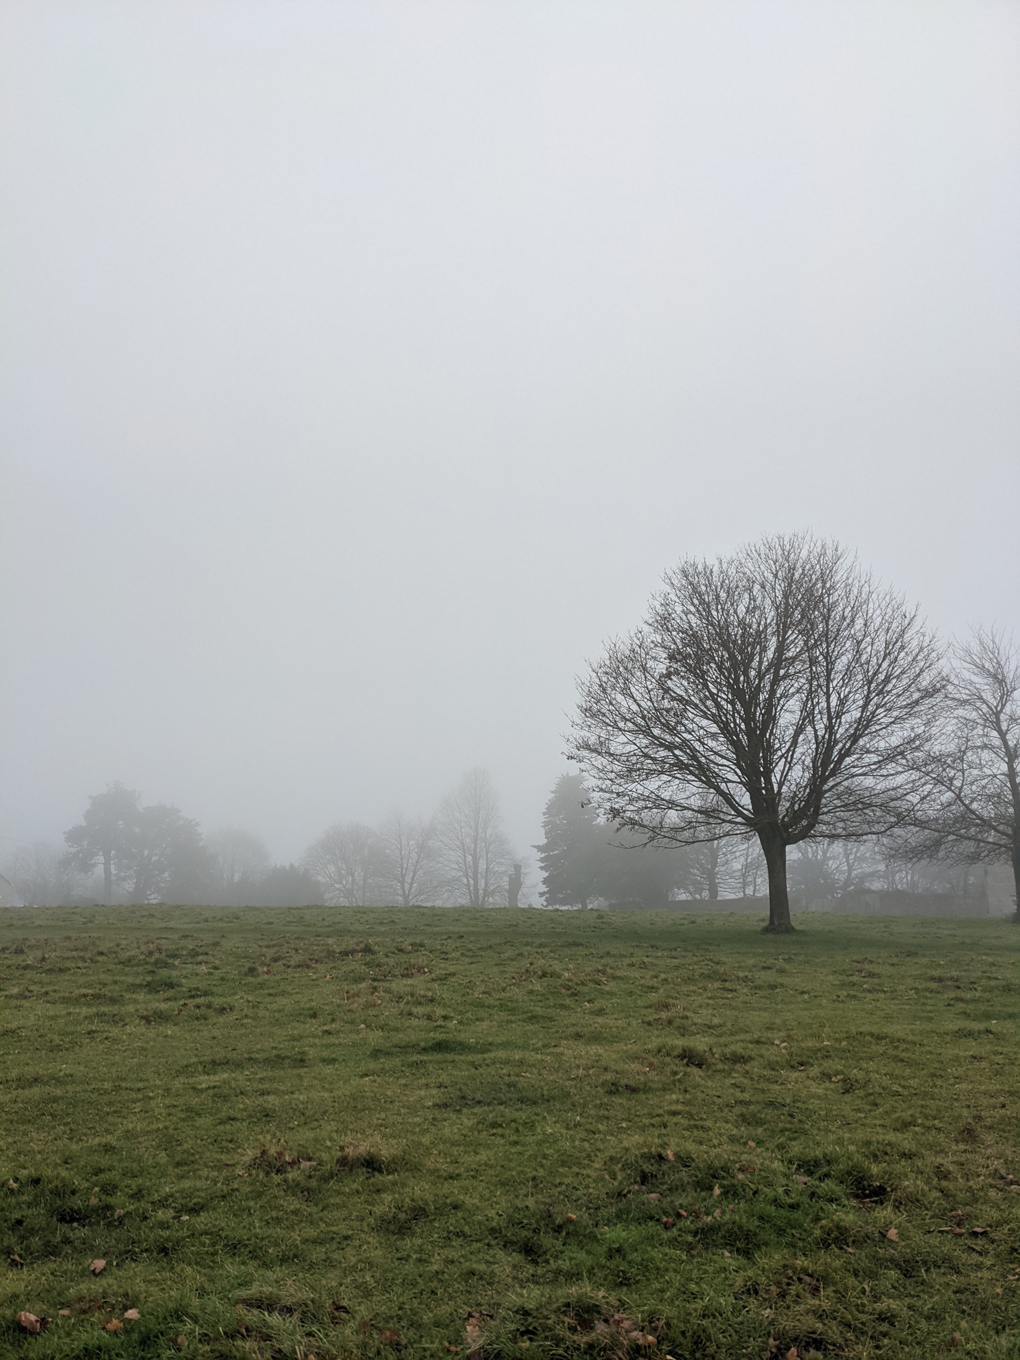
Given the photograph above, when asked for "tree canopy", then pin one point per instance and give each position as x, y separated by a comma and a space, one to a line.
779, 691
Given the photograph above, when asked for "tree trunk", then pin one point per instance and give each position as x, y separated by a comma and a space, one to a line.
774, 849
1016, 882
107, 876
713, 872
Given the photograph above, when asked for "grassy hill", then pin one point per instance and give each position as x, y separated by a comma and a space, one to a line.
333, 1133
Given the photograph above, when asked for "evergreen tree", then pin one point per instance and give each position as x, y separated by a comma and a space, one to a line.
569, 855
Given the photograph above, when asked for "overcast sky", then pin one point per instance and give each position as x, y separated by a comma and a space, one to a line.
364, 365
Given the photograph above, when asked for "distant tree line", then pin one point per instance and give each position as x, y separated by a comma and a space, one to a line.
587, 862
125, 851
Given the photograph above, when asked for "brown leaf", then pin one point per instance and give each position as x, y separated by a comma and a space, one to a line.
669, 1155
93, 1200
30, 1322
893, 1235
681, 1213
655, 1198
118, 1213
389, 1337
472, 1329
716, 1193
180, 1341
114, 1325
97, 1265
571, 1218
955, 1340
801, 1180
717, 1214
979, 1231
16, 1260
451, 1348
13, 1185
64, 1312
132, 1315
668, 1222
306, 1165
792, 1354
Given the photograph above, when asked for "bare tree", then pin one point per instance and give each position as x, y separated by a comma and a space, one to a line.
473, 848
42, 877
409, 859
779, 691
973, 765
348, 861
241, 862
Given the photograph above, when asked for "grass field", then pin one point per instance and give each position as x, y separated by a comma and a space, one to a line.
337, 1133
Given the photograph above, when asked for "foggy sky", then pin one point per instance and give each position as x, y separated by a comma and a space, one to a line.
364, 365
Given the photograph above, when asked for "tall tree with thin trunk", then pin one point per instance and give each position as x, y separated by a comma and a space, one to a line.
972, 767
409, 859
780, 691
473, 846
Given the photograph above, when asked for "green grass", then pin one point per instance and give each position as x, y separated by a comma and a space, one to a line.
502, 1108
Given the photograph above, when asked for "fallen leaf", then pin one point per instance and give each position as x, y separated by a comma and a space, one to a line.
340, 1308
453, 1350
751, 1143
16, 1260
118, 1213
306, 1165
716, 1193
893, 1235
955, 1340
13, 1185
669, 1155
97, 1265
64, 1312
979, 1231
793, 1354
132, 1315
472, 1329
114, 1325
717, 1214
180, 1341
801, 1180
389, 1337
681, 1213
668, 1222
30, 1322
571, 1218
93, 1200
655, 1198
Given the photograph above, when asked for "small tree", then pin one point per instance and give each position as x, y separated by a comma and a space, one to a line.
348, 861
241, 861
779, 691
409, 864
973, 765
473, 847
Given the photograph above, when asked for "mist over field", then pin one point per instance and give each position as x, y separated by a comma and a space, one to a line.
365, 366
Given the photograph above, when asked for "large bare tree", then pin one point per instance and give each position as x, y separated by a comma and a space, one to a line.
972, 813
779, 691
